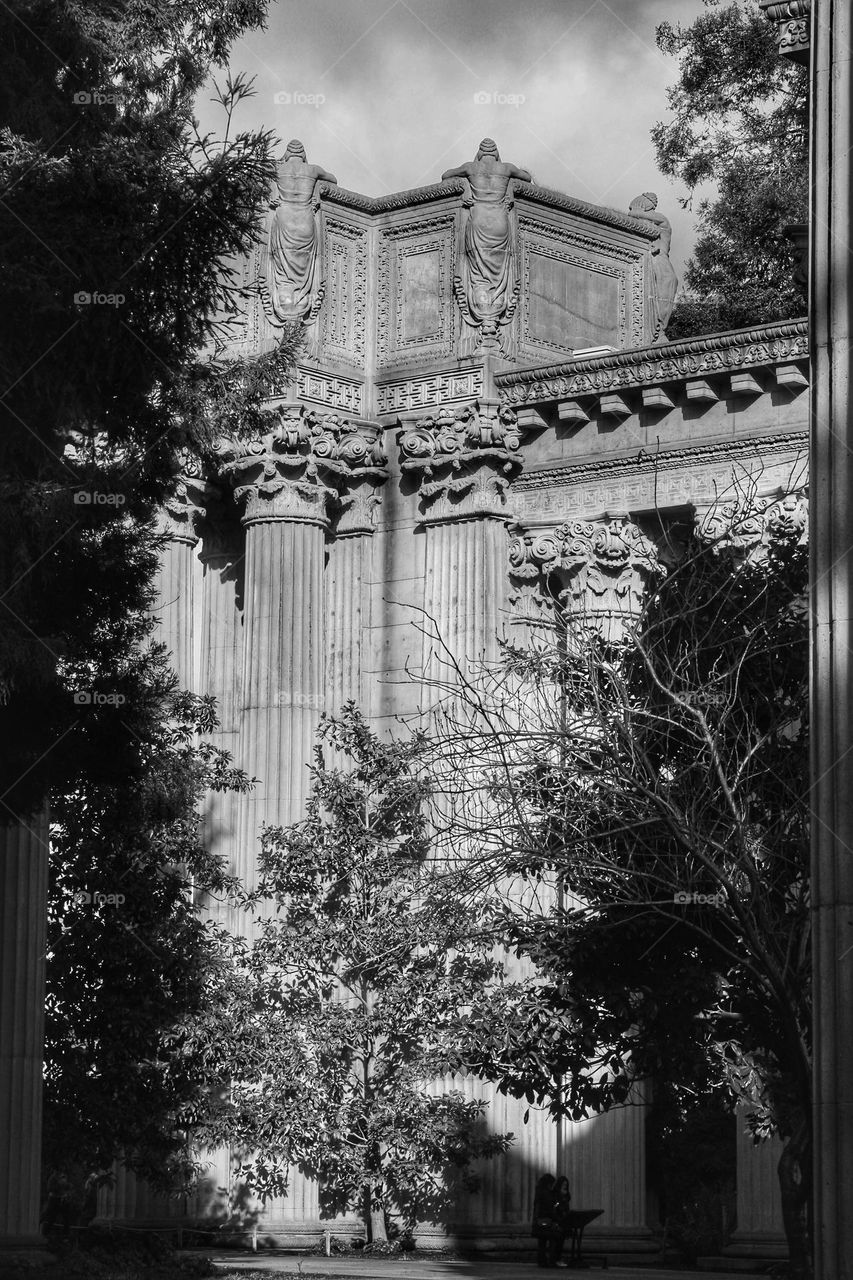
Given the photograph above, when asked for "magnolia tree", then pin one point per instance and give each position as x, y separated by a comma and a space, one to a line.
343, 1019
650, 792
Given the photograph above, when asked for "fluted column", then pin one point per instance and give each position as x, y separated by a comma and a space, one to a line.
760, 1228
832, 597
23, 929
177, 582
465, 461
286, 514
349, 564
220, 668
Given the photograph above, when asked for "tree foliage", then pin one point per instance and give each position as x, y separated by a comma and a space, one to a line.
739, 121
651, 793
352, 997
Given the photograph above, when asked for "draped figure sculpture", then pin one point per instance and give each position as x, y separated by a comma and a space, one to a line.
485, 283
666, 281
294, 283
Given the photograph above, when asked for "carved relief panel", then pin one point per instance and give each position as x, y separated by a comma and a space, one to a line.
576, 292
415, 292
344, 320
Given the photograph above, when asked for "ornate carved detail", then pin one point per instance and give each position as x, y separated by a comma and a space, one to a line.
599, 571
778, 343
395, 244
597, 213
793, 27
344, 325
184, 508
327, 389
547, 242
676, 477
398, 200
473, 453
294, 472
747, 528
433, 389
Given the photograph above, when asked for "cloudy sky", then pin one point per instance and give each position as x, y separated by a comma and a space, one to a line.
388, 93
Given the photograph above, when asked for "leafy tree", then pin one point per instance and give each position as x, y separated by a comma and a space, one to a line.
654, 790
118, 223
352, 995
740, 121
133, 962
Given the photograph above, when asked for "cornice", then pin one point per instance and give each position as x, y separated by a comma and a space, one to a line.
397, 200
592, 212
738, 348
645, 461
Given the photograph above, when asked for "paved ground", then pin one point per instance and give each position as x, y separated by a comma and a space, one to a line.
424, 1269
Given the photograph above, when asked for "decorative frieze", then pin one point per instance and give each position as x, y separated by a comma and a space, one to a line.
330, 389
464, 459
429, 391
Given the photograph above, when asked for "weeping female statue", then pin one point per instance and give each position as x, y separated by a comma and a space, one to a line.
486, 287
294, 283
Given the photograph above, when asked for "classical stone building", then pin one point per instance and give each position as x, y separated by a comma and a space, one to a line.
486, 401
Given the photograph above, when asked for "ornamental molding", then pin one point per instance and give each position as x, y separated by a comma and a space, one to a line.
398, 200
463, 460
300, 469
520, 191
659, 482
596, 213
716, 353
406, 394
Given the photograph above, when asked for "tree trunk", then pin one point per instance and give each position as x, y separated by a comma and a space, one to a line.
795, 1185
374, 1214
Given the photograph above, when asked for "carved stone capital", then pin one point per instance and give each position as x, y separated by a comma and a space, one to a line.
184, 508
465, 458
598, 571
747, 530
295, 471
792, 20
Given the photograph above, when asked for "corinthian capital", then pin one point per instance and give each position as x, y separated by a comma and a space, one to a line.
296, 471
184, 508
599, 571
464, 459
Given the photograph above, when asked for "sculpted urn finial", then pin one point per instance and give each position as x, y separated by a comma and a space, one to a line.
485, 284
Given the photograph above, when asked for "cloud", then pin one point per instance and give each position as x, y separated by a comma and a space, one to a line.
388, 93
